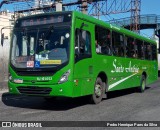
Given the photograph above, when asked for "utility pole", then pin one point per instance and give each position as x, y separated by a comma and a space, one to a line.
135, 15
84, 6
58, 4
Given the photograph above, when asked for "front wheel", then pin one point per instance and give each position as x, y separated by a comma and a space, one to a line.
99, 90
142, 86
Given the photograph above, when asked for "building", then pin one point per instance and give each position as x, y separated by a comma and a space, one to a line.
6, 23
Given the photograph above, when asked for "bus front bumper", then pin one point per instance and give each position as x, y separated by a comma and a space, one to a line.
64, 89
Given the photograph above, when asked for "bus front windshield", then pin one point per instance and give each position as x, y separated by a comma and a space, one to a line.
40, 48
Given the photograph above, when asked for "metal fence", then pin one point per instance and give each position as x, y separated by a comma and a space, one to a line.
4, 56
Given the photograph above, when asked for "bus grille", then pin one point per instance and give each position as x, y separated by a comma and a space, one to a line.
34, 90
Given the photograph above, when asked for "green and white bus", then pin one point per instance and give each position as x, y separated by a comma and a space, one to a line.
70, 54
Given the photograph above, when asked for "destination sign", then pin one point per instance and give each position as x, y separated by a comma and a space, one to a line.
43, 20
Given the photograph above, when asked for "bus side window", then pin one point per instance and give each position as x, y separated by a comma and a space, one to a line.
154, 52
130, 47
148, 51
82, 42
117, 44
136, 50
103, 41
140, 49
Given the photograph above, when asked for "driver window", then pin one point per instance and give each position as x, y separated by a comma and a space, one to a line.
82, 42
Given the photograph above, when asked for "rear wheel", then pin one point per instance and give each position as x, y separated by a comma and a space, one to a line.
99, 90
142, 86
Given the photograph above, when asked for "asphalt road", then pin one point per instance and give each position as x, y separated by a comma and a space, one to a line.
125, 105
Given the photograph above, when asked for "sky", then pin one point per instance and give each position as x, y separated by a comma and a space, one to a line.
150, 7
147, 7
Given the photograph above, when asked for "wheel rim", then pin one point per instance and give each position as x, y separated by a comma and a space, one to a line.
98, 90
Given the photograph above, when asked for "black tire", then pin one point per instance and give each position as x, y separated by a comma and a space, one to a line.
99, 90
49, 99
142, 86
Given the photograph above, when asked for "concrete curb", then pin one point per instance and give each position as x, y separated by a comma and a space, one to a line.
4, 91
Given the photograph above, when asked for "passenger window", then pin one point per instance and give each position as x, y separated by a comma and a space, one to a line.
117, 44
102, 40
148, 51
130, 47
140, 49
154, 52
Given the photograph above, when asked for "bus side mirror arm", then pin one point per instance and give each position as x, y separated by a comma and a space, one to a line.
2, 34
2, 38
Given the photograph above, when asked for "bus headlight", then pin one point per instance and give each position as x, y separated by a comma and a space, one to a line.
64, 77
10, 77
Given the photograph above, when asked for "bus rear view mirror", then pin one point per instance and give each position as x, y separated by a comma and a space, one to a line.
157, 33
2, 39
